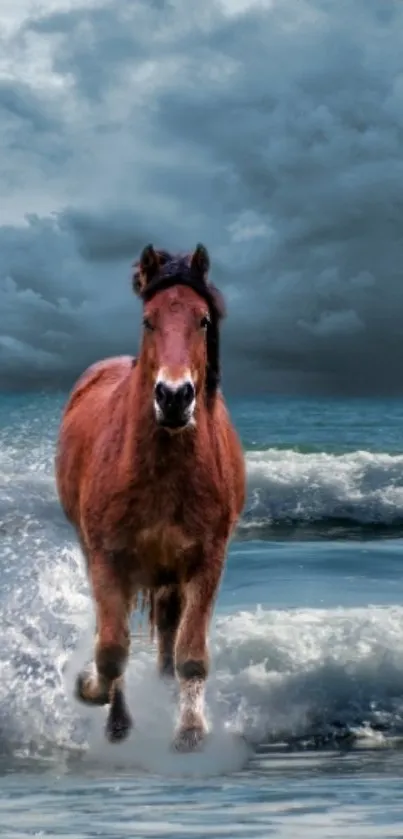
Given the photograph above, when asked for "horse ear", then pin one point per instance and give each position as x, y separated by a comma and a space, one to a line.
200, 262
146, 269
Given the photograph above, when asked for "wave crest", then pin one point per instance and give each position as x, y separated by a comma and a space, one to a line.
319, 490
309, 677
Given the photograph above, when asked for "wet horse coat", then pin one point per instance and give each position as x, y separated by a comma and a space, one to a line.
151, 473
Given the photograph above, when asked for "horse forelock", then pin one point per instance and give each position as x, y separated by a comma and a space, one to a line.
175, 270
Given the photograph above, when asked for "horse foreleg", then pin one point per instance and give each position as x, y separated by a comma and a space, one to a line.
191, 653
168, 608
105, 685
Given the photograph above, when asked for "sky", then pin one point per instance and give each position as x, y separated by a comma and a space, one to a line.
270, 131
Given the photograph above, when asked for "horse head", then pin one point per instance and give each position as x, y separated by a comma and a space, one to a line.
180, 342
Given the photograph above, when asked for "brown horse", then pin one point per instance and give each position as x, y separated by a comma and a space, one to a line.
151, 473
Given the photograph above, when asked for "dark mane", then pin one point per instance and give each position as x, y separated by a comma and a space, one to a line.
174, 269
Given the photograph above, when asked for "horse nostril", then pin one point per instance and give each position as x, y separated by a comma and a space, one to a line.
186, 394
160, 393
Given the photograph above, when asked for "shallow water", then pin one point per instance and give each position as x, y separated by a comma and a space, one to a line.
305, 699
284, 796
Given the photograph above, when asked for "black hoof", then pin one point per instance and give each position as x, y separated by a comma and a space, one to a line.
119, 722
166, 670
189, 740
84, 693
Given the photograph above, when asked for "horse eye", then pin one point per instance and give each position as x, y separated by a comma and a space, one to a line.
204, 322
148, 325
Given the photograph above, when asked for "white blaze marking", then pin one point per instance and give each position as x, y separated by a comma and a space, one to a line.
174, 384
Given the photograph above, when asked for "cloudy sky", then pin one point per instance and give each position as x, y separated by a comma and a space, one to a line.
271, 131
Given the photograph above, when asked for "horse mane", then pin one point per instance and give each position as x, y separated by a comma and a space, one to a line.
176, 269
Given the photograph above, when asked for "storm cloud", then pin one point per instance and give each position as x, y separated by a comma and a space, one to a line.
270, 131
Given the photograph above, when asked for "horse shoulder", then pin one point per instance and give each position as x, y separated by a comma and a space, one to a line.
90, 430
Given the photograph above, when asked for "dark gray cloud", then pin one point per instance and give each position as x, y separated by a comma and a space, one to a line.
271, 131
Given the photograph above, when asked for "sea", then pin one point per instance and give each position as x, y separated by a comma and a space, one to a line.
305, 697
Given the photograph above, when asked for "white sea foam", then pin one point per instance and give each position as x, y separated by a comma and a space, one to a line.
301, 677
362, 487
296, 673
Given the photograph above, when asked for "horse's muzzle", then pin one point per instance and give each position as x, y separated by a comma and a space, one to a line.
174, 406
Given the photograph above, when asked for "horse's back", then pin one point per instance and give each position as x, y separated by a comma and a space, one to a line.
87, 414
100, 377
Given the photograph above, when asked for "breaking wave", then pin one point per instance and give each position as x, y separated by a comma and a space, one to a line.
303, 678
311, 494
323, 493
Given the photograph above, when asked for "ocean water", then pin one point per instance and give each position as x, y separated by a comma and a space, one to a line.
305, 698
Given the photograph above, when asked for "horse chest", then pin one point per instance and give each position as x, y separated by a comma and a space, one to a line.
169, 512
159, 524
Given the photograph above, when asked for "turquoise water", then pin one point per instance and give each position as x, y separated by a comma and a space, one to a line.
305, 698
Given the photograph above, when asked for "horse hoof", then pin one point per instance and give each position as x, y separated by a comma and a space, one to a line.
118, 727
119, 721
84, 692
189, 739
166, 672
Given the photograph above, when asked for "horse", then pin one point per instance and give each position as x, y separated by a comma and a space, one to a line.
151, 474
